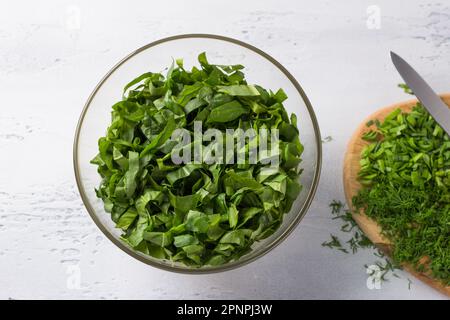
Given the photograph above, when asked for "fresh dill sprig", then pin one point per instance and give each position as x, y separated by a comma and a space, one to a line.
357, 241
336, 206
334, 243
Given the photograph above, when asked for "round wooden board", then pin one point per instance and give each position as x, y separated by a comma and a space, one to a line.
351, 187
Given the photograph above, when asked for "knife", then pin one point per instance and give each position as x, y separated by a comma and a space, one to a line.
429, 99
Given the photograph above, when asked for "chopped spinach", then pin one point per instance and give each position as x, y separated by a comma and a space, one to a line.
195, 213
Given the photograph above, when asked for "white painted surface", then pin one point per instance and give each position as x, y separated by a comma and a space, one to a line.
50, 61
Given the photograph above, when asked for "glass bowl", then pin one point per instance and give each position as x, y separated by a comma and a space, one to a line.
260, 68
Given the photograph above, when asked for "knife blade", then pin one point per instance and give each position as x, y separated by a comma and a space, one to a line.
429, 99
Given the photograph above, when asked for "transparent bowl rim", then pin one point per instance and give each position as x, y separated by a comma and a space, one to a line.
233, 264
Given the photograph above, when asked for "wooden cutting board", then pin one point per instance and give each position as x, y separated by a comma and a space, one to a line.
351, 187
